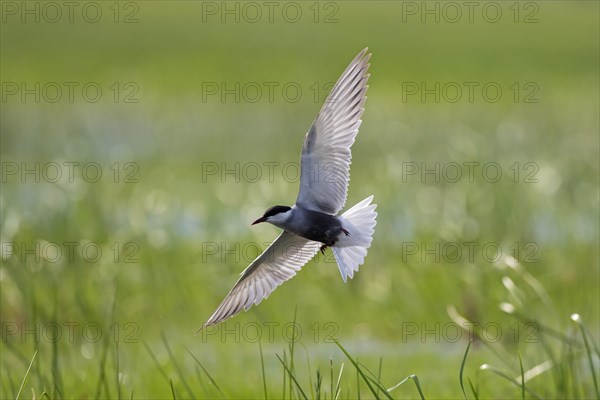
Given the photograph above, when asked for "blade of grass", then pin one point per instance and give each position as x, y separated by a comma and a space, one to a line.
375, 381
117, 370
358, 382
486, 367
318, 384
177, 367
172, 389
536, 285
284, 374
379, 372
292, 378
464, 322
102, 379
160, 368
522, 377
415, 379
210, 378
200, 380
57, 381
569, 371
558, 374
462, 370
577, 319
310, 381
331, 377
357, 368
473, 390
339, 381
537, 370
102, 382
262, 366
55, 389
36, 342
292, 345
24, 381
542, 328
112, 318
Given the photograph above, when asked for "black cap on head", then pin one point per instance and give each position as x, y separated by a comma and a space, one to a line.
272, 211
276, 210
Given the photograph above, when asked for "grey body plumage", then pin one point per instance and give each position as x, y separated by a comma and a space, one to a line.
313, 225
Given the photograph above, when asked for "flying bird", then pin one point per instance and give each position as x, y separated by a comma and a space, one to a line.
311, 224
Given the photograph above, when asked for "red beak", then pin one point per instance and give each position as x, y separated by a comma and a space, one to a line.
258, 221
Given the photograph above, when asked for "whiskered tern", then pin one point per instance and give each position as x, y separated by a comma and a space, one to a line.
311, 224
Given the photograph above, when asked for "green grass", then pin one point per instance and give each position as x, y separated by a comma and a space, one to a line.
122, 326
565, 376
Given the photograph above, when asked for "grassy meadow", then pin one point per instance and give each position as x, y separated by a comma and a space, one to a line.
139, 140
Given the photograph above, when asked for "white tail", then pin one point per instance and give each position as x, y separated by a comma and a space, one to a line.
350, 251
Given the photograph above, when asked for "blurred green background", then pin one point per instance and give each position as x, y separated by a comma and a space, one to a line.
174, 237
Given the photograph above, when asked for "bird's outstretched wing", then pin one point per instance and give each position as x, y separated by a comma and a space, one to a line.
278, 263
325, 162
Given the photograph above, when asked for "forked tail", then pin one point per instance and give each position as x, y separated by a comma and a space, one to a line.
350, 251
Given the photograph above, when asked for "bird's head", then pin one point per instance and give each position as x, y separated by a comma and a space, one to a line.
275, 215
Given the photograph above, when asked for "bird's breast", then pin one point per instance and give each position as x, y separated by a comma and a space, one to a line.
315, 225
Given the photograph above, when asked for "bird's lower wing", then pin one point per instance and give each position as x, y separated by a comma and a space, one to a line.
278, 263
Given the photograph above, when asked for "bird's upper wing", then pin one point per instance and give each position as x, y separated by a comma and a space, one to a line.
278, 263
325, 162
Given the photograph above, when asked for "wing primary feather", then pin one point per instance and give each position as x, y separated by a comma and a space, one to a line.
330, 138
264, 275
